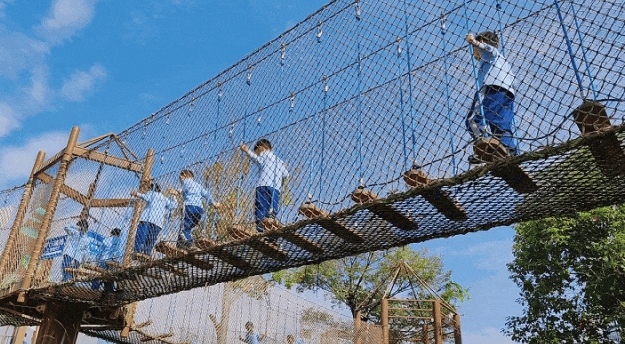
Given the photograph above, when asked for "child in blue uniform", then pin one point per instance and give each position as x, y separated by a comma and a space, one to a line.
76, 247
251, 337
152, 218
271, 172
192, 195
111, 251
496, 91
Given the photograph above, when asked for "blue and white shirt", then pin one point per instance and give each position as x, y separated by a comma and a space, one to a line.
76, 245
111, 250
193, 193
494, 69
271, 170
157, 206
252, 338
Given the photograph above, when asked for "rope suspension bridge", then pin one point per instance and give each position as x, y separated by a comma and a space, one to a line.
366, 102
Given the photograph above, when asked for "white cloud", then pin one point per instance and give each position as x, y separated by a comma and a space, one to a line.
3, 4
16, 162
8, 119
66, 18
486, 336
19, 52
80, 84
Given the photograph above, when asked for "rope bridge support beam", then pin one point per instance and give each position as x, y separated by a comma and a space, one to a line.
47, 219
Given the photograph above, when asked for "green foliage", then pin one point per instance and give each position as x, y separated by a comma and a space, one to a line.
571, 272
360, 281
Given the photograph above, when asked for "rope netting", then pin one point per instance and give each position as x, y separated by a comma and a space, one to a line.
219, 314
352, 97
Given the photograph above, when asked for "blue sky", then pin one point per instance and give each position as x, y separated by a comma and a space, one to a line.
104, 65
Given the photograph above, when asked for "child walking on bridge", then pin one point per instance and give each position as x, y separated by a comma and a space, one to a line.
496, 92
192, 195
271, 173
152, 218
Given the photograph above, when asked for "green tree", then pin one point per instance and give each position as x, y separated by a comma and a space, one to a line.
571, 272
358, 282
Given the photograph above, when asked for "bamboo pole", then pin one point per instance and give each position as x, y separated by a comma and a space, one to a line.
50, 209
143, 187
457, 333
132, 232
357, 328
21, 212
426, 334
19, 333
438, 328
385, 329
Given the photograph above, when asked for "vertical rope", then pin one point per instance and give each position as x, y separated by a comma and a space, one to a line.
410, 101
448, 96
478, 87
581, 43
359, 65
570, 50
503, 53
323, 133
401, 105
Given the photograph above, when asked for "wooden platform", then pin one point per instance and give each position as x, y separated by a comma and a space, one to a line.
591, 117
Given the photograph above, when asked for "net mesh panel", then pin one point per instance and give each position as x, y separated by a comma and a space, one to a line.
355, 95
186, 317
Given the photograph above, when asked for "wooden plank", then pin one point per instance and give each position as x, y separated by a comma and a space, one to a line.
107, 159
172, 251
112, 203
95, 268
441, 200
393, 216
228, 257
301, 241
608, 154
80, 272
591, 117
516, 178
269, 249
341, 231
198, 263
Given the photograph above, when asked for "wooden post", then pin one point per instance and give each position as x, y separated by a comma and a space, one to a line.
129, 319
457, 333
357, 328
438, 328
19, 333
385, 329
143, 187
60, 323
21, 212
47, 219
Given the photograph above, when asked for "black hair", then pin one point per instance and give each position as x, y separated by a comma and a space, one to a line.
488, 37
187, 173
262, 143
116, 231
82, 223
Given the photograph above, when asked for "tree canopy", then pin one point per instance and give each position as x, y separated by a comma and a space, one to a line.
359, 282
571, 272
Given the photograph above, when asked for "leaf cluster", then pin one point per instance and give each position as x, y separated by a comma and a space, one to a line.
570, 271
